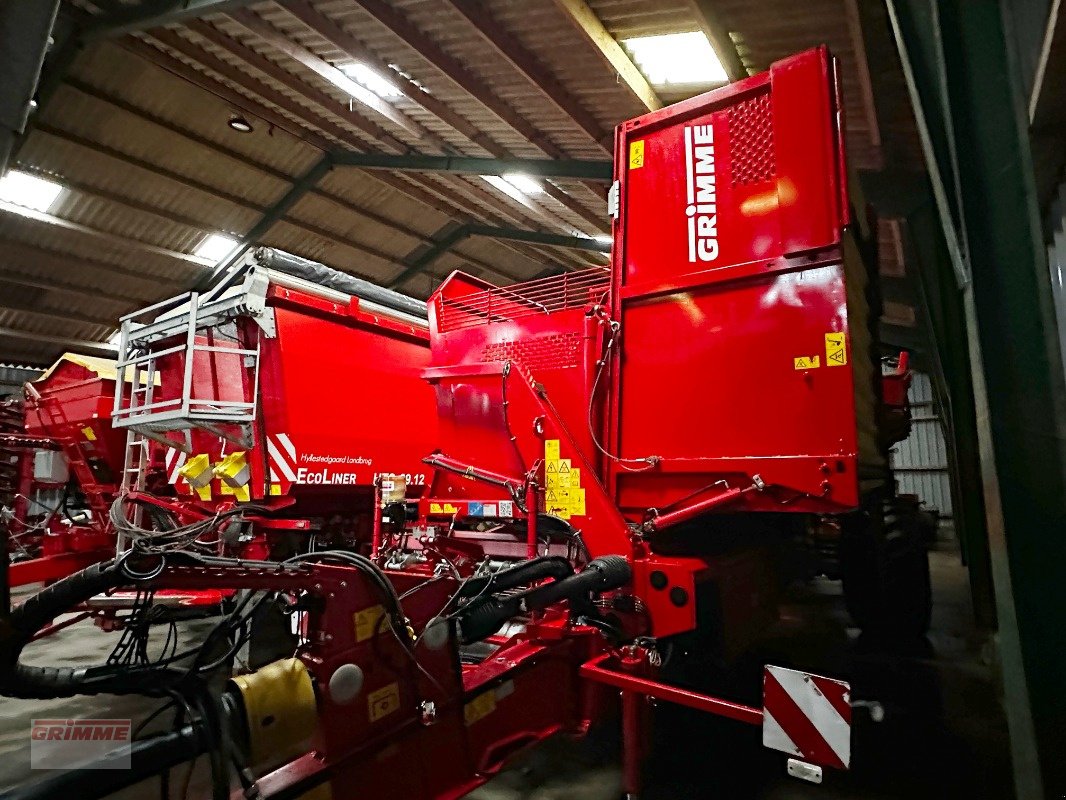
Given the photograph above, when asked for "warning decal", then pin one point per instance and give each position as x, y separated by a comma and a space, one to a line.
807, 716
366, 622
563, 495
384, 701
636, 154
836, 352
480, 707
806, 362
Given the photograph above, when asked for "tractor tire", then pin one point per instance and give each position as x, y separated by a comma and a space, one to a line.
884, 567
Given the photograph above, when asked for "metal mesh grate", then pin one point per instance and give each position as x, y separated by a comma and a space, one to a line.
543, 296
751, 141
545, 352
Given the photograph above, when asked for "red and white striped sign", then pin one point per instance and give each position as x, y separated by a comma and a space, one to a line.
282, 457
175, 460
807, 716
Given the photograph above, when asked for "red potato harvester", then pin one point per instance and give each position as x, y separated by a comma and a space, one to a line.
69, 462
289, 388
617, 452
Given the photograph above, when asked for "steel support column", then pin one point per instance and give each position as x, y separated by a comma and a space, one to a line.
468, 165
421, 262
959, 68
302, 186
25, 30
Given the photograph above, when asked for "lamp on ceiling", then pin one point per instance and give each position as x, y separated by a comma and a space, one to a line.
240, 124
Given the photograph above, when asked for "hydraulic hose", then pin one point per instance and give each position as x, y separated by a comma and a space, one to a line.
484, 617
527, 572
41, 683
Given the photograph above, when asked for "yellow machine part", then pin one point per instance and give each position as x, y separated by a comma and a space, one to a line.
234, 472
197, 473
280, 708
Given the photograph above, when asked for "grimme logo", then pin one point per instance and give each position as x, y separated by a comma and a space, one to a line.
702, 209
65, 743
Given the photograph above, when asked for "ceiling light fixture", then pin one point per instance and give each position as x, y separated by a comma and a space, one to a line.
29, 191
523, 183
240, 124
370, 79
676, 59
215, 247
514, 184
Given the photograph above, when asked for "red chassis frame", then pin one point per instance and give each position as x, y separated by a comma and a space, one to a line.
464, 720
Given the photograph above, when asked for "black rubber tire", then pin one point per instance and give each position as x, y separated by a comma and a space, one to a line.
885, 572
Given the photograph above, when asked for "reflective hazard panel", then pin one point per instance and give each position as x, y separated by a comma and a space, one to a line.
807, 716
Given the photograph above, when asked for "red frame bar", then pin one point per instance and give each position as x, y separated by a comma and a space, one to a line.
594, 671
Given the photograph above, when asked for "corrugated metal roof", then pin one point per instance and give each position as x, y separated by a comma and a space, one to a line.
138, 133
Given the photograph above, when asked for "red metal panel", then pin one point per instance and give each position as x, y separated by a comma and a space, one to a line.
728, 278
348, 394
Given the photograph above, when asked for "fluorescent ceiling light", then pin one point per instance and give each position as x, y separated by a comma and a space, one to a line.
514, 184
523, 183
674, 59
370, 79
29, 191
215, 247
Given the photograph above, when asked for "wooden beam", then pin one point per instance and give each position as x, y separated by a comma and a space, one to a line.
344, 41
267, 67
73, 345
862, 68
53, 260
426, 192
324, 69
81, 292
537, 73
186, 260
10, 306
170, 127
710, 22
156, 15
385, 13
587, 23
176, 66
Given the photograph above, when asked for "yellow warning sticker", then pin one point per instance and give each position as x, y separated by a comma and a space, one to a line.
446, 508
366, 622
576, 500
480, 707
551, 449
836, 351
636, 154
384, 701
90, 434
807, 362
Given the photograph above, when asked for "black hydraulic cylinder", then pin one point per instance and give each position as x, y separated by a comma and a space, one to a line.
484, 617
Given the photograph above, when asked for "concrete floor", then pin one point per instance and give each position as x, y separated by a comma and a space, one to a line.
944, 735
